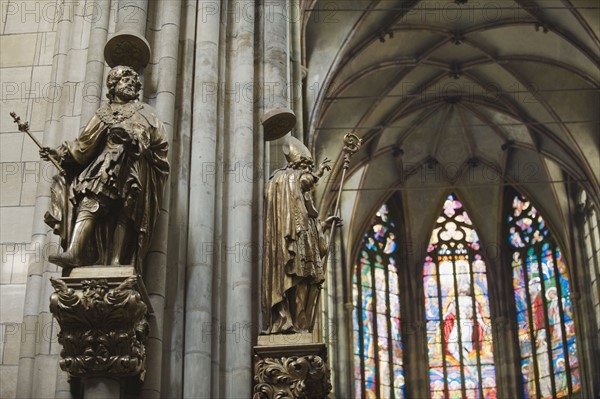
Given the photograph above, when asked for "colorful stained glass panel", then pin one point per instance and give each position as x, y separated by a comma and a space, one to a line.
378, 345
459, 337
543, 305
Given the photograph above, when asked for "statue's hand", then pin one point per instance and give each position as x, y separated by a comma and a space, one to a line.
327, 223
324, 166
46, 153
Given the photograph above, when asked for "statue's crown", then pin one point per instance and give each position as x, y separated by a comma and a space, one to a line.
296, 150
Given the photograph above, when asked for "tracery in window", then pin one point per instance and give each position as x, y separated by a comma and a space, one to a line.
549, 364
459, 337
378, 371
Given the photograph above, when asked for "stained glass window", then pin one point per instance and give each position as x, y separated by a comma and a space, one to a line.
378, 371
546, 331
459, 336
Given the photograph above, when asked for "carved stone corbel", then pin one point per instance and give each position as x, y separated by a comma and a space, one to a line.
103, 327
303, 375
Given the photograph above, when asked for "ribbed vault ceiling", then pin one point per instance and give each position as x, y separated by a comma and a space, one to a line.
455, 96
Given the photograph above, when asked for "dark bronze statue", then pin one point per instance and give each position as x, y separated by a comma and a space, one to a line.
295, 244
105, 205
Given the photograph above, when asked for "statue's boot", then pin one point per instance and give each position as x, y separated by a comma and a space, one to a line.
72, 257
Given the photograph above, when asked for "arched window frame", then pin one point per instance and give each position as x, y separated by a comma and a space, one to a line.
394, 360
471, 248
541, 247
590, 225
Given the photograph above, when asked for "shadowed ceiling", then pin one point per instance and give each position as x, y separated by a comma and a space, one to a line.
455, 96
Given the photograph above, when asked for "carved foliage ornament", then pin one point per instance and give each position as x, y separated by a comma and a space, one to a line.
103, 330
304, 377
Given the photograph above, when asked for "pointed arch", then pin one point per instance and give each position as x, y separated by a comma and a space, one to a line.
546, 329
459, 334
378, 363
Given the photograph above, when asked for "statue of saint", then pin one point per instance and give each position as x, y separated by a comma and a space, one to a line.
294, 244
105, 207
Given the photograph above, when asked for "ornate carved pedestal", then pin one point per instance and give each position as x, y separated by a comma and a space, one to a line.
103, 329
286, 366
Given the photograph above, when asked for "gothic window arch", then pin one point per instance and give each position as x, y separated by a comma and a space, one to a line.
546, 330
378, 364
591, 249
459, 337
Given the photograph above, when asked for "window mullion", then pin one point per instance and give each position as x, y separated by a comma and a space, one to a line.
441, 327
375, 335
532, 333
594, 235
458, 325
389, 329
540, 254
471, 258
562, 318
361, 334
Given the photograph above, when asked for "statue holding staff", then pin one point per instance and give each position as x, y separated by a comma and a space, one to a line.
295, 246
105, 207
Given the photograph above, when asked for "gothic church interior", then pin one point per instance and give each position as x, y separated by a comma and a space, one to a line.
468, 263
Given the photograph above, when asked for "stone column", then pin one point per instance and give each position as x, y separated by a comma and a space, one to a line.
414, 328
132, 16
94, 71
162, 81
202, 242
176, 280
341, 322
275, 60
296, 93
101, 387
38, 375
239, 246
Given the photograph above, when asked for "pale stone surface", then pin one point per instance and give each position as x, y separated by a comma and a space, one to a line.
32, 16
19, 258
46, 367
13, 263
51, 12
101, 388
12, 298
37, 116
21, 49
16, 224
2, 341
11, 338
103, 271
287, 339
46, 47
11, 145
6, 263
10, 183
8, 376
30, 178
19, 78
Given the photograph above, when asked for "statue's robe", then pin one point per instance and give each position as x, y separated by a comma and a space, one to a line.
294, 246
110, 165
